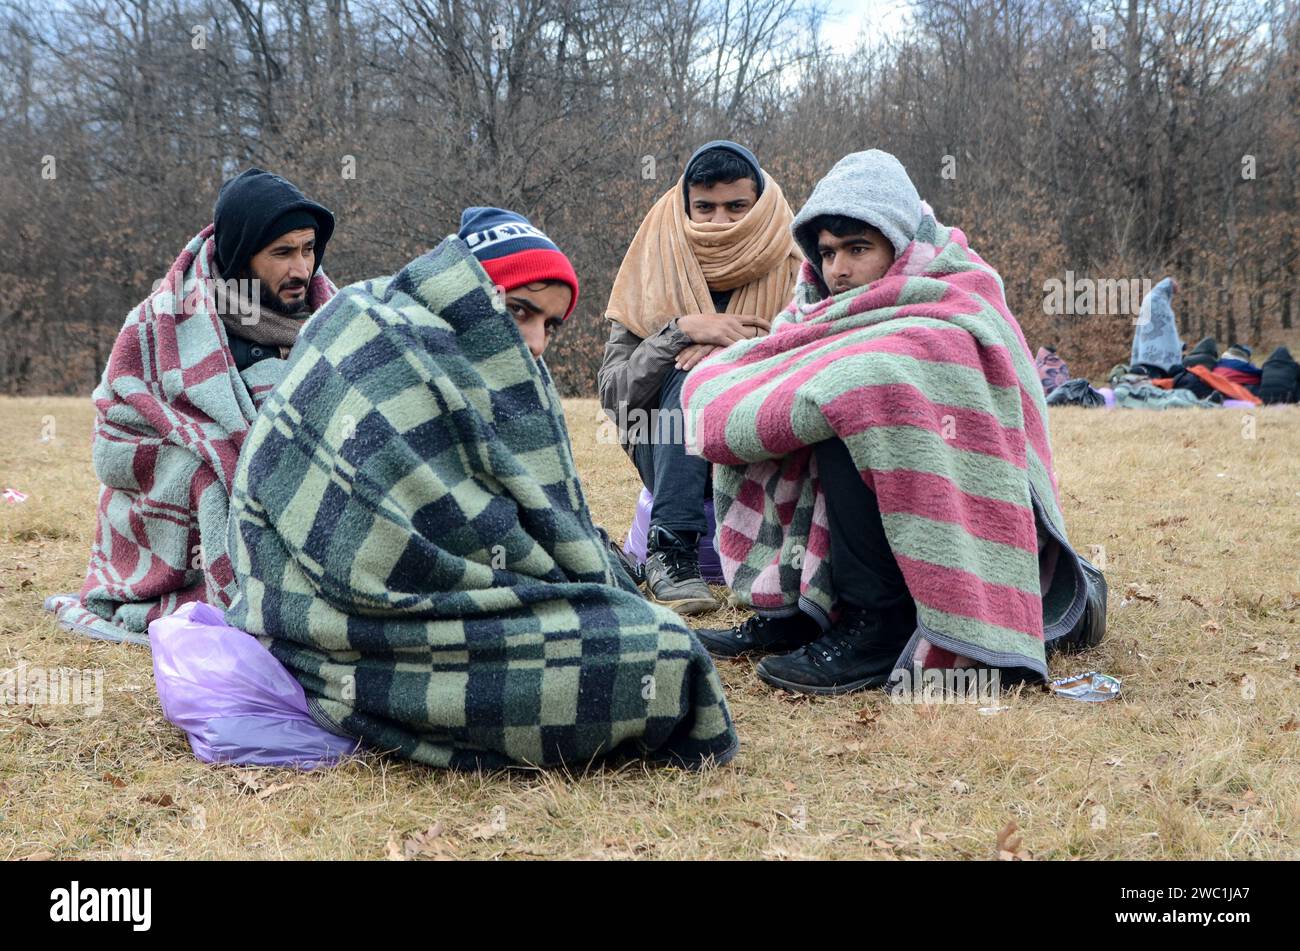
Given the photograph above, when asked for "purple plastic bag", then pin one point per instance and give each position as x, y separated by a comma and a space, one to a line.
236, 702
710, 566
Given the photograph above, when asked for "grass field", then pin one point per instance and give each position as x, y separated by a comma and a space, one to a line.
1196, 512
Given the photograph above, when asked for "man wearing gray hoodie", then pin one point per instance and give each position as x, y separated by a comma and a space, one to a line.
858, 219
861, 225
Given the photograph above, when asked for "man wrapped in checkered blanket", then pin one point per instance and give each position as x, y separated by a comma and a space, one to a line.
411, 541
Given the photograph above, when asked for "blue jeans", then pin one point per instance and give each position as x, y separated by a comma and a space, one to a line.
679, 482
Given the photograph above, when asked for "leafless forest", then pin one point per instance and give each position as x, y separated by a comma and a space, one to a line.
1114, 140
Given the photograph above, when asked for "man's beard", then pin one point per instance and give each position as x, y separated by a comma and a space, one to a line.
272, 302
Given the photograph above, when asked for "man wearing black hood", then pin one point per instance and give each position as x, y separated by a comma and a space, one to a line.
271, 237
187, 374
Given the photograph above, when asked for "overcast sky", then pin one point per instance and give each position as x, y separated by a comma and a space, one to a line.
846, 19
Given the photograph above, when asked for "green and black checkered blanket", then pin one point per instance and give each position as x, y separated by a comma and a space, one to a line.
411, 540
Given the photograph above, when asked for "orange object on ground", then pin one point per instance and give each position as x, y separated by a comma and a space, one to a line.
1225, 386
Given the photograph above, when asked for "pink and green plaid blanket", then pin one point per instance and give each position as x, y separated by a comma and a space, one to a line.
172, 412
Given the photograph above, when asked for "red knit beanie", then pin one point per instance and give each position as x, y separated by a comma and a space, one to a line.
515, 253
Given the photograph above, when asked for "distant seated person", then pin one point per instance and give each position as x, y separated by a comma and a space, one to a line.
1159, 354
884, 482
1231, 375
412, 542
1279, 378
184, 381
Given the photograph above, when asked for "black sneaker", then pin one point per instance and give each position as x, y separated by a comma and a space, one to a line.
760, 635
672, 573
624, 560
859, 651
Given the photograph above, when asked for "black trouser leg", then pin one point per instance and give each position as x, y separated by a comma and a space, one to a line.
864, 573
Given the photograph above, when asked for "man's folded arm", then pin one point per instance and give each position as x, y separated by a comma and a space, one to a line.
632, 369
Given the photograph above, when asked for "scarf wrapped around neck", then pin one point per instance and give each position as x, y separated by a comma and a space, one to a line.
674, 262
250, 320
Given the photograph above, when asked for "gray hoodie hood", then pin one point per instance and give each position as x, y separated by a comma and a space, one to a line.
871, 186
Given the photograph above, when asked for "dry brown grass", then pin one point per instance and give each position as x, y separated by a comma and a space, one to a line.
1190, 762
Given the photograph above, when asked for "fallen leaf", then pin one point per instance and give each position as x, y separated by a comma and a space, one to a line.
1134, 592
1290, 726
906, 786
840, 750
868, 716
1210, 627
789, 696
272, 790
1010, 846
1200, 604
429, 845
486, 830
619, 849
116, 781
1248, 800
162, 800
248, 781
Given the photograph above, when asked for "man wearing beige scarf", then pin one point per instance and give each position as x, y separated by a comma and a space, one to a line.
712, 263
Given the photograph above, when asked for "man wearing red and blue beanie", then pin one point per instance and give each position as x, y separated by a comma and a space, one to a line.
412, 535
539, 285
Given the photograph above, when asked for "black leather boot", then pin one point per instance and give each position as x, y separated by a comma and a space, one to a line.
859, 651
760, 635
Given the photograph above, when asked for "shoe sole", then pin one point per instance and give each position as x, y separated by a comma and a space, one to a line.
731, 653
688, 605
727, 654
867, 683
